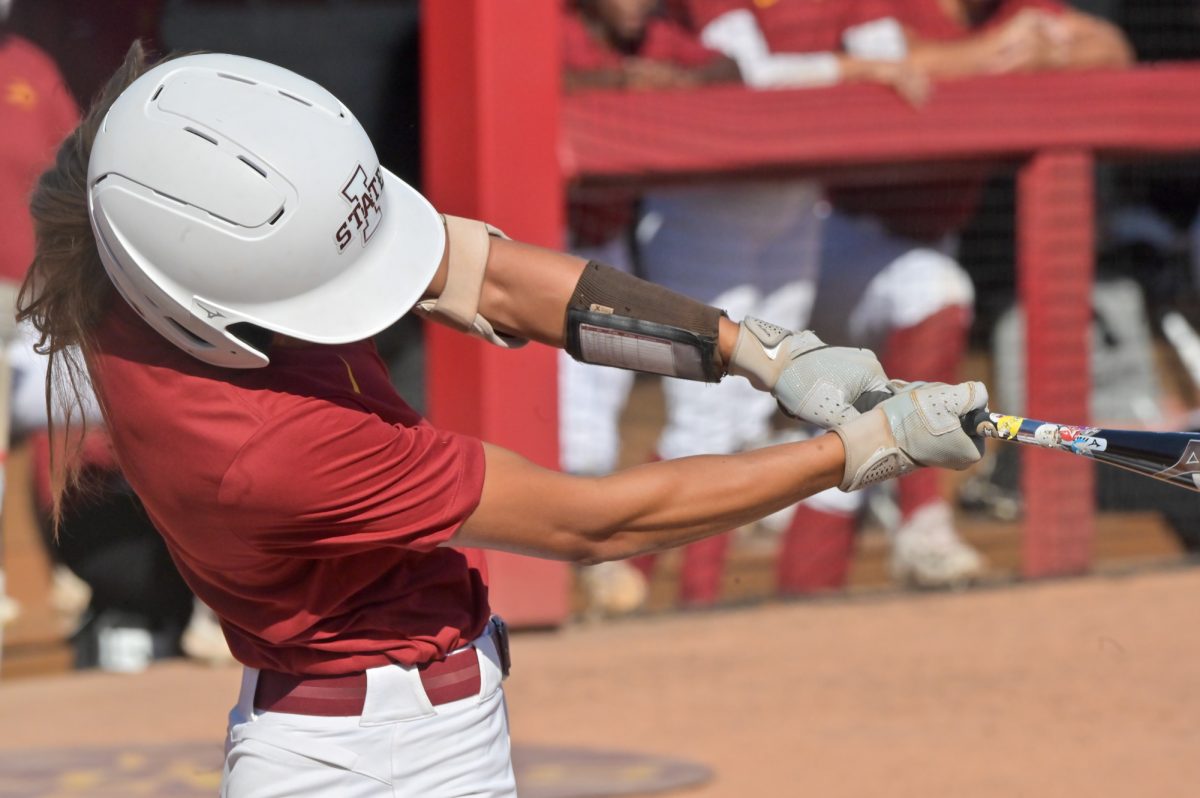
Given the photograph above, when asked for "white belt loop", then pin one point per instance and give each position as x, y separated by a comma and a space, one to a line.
490, 674
243, 711
395, 693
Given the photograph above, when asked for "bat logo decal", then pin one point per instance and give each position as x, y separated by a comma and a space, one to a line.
1081, 440
1188, 463
1085, 444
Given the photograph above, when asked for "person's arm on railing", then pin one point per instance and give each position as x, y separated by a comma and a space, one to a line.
1032, 40
737, 34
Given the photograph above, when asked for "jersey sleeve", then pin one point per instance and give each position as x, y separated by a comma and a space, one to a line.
334, 480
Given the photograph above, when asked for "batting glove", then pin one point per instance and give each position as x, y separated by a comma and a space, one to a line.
811, 381
920, 426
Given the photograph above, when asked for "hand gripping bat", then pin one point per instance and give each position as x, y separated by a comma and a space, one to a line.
1172, 457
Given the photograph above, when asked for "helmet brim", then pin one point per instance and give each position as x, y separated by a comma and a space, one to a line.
382, 284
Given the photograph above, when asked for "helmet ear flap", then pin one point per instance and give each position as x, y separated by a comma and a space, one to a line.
251, 335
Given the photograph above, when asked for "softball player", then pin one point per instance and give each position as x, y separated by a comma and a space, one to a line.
254, 244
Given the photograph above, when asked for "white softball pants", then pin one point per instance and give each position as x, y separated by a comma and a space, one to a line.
401, 745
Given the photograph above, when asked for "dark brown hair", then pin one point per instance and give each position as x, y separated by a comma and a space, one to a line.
66, 290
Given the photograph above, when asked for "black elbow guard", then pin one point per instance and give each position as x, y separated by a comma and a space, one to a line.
615, 319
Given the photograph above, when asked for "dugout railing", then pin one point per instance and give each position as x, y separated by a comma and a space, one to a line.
503, 144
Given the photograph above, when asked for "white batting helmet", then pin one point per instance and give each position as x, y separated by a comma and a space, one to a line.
226, 191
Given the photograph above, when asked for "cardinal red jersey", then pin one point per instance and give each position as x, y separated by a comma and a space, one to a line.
304, 502
36, 114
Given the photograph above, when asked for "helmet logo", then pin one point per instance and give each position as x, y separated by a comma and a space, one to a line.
366, 208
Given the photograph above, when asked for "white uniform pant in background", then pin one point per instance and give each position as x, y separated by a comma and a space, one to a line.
400, 747
751, 250
873, 282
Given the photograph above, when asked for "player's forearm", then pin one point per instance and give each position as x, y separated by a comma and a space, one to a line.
651, 507
662, 505
954, 59
527, 288
526, 291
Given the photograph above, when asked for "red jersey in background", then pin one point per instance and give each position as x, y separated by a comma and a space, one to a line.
36, 114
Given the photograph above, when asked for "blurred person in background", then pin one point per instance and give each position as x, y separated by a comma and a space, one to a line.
889, 277
128, 601
615, 44
36, 113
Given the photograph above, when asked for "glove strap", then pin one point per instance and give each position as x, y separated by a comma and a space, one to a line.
762, 351
872, 454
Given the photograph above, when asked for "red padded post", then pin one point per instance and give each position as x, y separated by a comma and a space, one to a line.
1055, 251
490, 105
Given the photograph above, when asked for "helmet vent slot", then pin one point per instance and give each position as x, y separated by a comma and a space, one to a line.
196, 340
238, 78
204, 136
251, 335
275, 218
252, 165
300, 100
157, 92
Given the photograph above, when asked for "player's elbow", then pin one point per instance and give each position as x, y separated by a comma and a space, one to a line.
591, 545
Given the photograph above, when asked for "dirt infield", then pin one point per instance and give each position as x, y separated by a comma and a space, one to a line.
1082, 687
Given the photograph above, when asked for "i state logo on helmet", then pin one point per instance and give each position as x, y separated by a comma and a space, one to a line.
366, 207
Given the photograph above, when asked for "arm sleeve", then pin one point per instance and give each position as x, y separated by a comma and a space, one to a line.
737, 35
336, 480
880, 39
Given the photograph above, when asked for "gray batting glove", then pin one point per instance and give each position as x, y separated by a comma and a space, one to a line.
920, 426
811, 381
